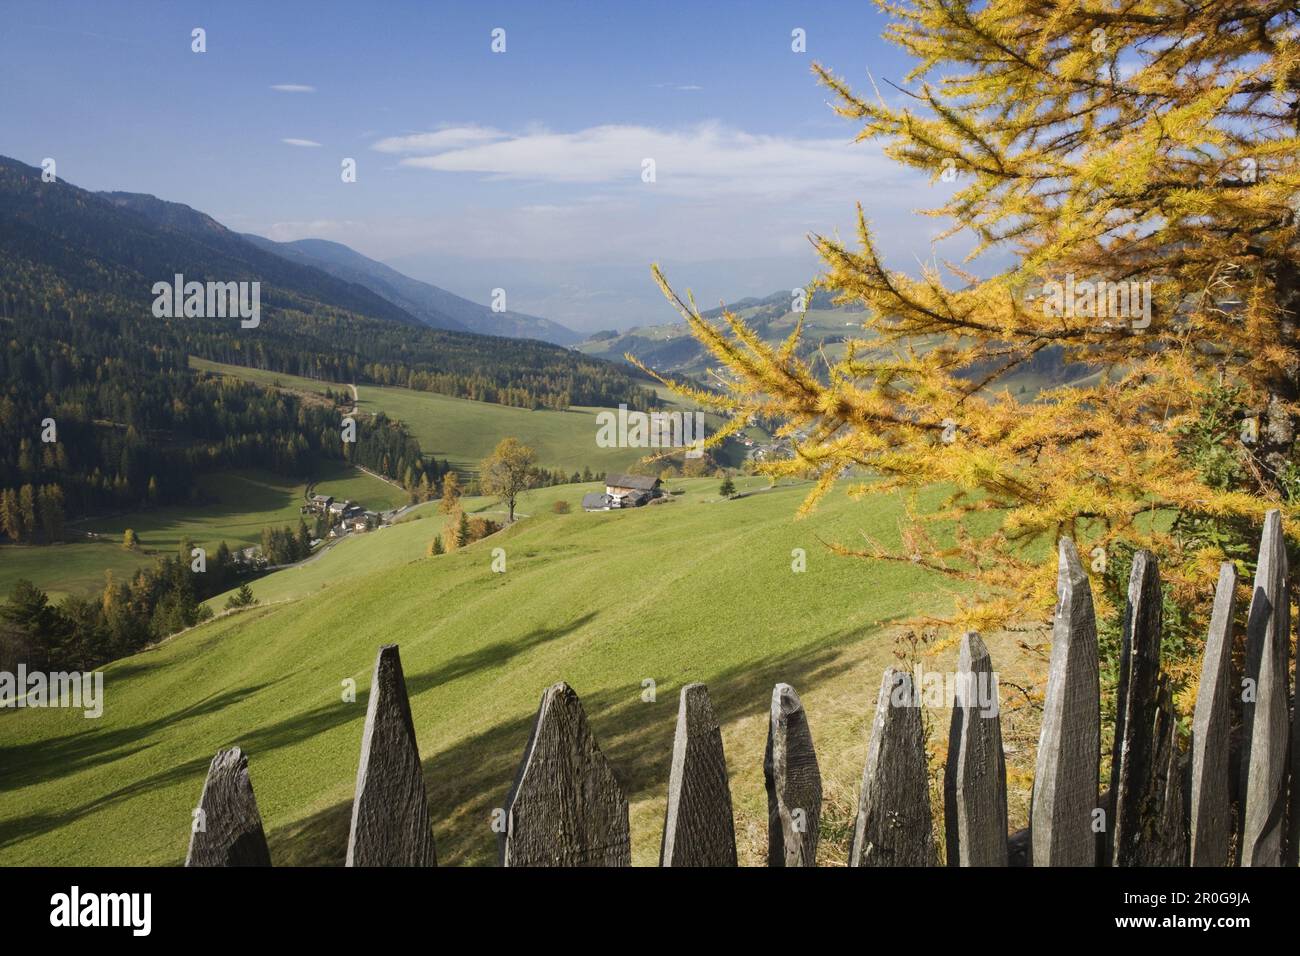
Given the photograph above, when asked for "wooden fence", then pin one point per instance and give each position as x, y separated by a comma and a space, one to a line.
1223, 801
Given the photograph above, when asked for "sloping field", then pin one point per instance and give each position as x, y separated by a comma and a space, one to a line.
698, 589
233, 506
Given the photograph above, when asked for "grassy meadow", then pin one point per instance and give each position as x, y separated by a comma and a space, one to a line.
233, 506
465, 432
696, 589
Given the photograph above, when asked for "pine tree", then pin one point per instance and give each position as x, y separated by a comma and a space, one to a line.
728, 487
462, 530
51, 508
241, 598
11, 522
27, 512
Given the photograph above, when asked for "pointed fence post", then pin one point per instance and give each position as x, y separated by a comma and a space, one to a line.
1211, 802
975, 778
1265, 707
565, 807
698, 826
1133, 766
1069, 744
893, 826
794, 783
227, 829
390, 813
1164, 823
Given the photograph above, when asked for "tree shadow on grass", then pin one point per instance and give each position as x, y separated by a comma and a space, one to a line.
25, 827
43, 760
467, 782
82, 750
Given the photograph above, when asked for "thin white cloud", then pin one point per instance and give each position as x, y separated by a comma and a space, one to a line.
706, 159
447, 138
292, 88
300, 142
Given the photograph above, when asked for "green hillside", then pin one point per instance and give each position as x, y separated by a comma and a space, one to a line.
232, 506
465, 432
698, 589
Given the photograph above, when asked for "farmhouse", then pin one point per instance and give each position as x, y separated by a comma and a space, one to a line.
319, 504
363, 521
630, 491
345, 509
595, 501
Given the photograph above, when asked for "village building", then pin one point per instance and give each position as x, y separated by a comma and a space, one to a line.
630, 491
595, 501
319, 504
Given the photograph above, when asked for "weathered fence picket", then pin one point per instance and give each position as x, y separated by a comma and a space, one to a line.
566, 807
1133, 776
698, 826
227, 829
1265, 718
1211, 792
794, 783
893, 825
975, 777
1069, 743
1164, 828
390, 813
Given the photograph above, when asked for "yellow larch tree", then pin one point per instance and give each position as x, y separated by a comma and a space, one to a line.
1140, 160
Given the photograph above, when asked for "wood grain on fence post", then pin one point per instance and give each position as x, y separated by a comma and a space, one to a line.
698, 826
1211, 801
565, 807
893, 825
794, 783
1265, 717
975, 776
1163, 839
390, 812
1069, 743
227, 829
1133, 767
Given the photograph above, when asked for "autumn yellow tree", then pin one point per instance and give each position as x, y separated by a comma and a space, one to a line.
506, 472
450, 493
1140, 161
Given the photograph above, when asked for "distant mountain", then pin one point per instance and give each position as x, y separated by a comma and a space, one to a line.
78, 269
671, 348
437, 307
151, 236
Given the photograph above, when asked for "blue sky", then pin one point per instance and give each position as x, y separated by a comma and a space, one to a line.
477, 170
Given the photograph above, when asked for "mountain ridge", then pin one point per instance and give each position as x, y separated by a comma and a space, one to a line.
421, 299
